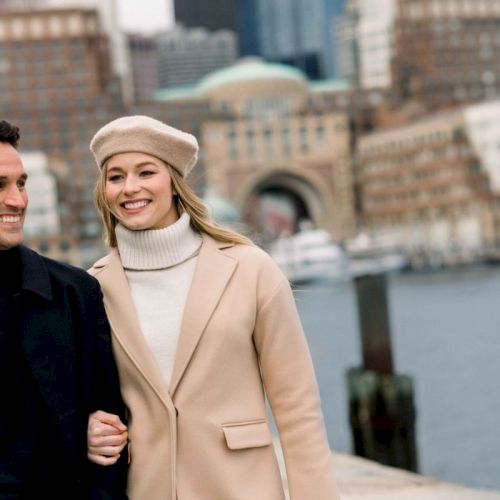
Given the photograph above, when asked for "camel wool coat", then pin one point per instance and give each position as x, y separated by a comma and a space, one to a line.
206, 436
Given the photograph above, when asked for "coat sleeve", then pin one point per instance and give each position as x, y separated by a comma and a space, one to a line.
293, 395
106, 482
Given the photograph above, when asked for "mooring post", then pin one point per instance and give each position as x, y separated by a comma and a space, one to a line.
382, 412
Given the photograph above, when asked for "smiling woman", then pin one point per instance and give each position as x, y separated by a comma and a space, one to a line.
202, 321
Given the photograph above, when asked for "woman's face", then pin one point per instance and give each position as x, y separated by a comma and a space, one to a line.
139, 191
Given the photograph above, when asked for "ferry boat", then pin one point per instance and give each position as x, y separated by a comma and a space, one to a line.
308, 255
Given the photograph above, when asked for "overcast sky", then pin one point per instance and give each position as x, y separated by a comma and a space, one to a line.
145, 16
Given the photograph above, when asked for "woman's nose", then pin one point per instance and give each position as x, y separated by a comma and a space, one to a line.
131, 185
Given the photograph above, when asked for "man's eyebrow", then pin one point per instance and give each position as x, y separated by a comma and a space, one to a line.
22, 177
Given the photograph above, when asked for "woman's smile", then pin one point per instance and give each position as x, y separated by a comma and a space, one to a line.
135, 205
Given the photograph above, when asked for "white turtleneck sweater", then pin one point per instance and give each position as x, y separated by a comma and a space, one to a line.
159, 264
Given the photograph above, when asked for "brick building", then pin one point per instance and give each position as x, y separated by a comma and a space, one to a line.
445, 51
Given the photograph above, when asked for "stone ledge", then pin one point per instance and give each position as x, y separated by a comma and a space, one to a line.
361, 479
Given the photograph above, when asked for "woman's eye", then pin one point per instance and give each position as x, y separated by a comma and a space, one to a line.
114, 178
146, 173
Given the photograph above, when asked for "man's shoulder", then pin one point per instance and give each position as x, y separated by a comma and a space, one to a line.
61, 271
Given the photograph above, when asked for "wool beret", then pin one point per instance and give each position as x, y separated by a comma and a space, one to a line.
144, 134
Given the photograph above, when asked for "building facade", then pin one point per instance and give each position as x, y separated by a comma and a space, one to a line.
210, 15
42, 227
185, 56
272, 149
445, 51
59, 88
364, 38
434, 185
292, 32
108, 18
144, 66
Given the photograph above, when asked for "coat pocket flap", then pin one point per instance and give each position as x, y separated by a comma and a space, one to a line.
247, 435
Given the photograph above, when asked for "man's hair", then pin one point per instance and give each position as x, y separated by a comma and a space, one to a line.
9, 133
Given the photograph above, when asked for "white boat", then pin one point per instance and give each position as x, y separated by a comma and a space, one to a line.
309, 255
369, 255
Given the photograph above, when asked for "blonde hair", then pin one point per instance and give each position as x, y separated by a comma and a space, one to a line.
185, 200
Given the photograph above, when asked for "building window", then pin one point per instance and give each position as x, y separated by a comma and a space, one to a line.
304, 146
250, 136
232, 148
320, 137
285, 140
268, 141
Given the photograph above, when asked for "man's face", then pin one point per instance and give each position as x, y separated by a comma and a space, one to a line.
13, 197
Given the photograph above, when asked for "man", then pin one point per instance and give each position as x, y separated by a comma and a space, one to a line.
56, 364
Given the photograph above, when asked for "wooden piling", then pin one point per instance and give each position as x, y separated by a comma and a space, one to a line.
382, 412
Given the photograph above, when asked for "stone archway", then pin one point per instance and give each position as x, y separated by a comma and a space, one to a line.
277, 202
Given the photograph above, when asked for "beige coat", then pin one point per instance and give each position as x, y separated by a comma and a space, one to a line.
206, 436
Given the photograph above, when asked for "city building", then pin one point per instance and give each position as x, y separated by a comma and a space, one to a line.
286, 31
186, 55
144, 66
270, 142
59, 88
210, 15
42, 228
108, 18
238, 16
332, 10
445, 51
42, 216
364, 42
293, 32
433, 185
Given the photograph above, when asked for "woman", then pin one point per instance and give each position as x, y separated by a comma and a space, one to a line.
204, 326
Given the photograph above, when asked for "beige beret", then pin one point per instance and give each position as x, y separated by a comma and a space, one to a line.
143, 134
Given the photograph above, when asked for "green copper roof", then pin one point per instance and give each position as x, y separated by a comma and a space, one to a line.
330, 85
176, 93
250, 69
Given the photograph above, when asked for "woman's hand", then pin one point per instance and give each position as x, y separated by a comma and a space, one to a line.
106, 438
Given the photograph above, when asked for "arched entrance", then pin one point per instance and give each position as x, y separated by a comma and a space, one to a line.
280, 202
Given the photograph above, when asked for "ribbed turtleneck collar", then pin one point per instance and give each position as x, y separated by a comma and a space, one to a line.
158, 248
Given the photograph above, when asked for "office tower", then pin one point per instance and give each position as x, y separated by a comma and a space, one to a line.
210, 15
291, 32
144, 66
364, 37
187, 55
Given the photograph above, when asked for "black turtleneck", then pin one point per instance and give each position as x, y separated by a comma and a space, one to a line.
29, 445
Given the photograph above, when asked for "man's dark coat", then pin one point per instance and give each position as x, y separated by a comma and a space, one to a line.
65, 336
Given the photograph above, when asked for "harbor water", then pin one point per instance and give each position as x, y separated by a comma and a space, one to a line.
445, 330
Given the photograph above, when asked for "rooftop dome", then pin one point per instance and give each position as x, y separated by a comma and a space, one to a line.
251, 69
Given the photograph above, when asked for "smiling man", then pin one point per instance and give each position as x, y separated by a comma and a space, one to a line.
56, 365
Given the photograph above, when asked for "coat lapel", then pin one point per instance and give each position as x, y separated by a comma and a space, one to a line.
124, 322
213, 271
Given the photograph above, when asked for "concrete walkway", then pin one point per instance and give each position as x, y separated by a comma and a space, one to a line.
361, 479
